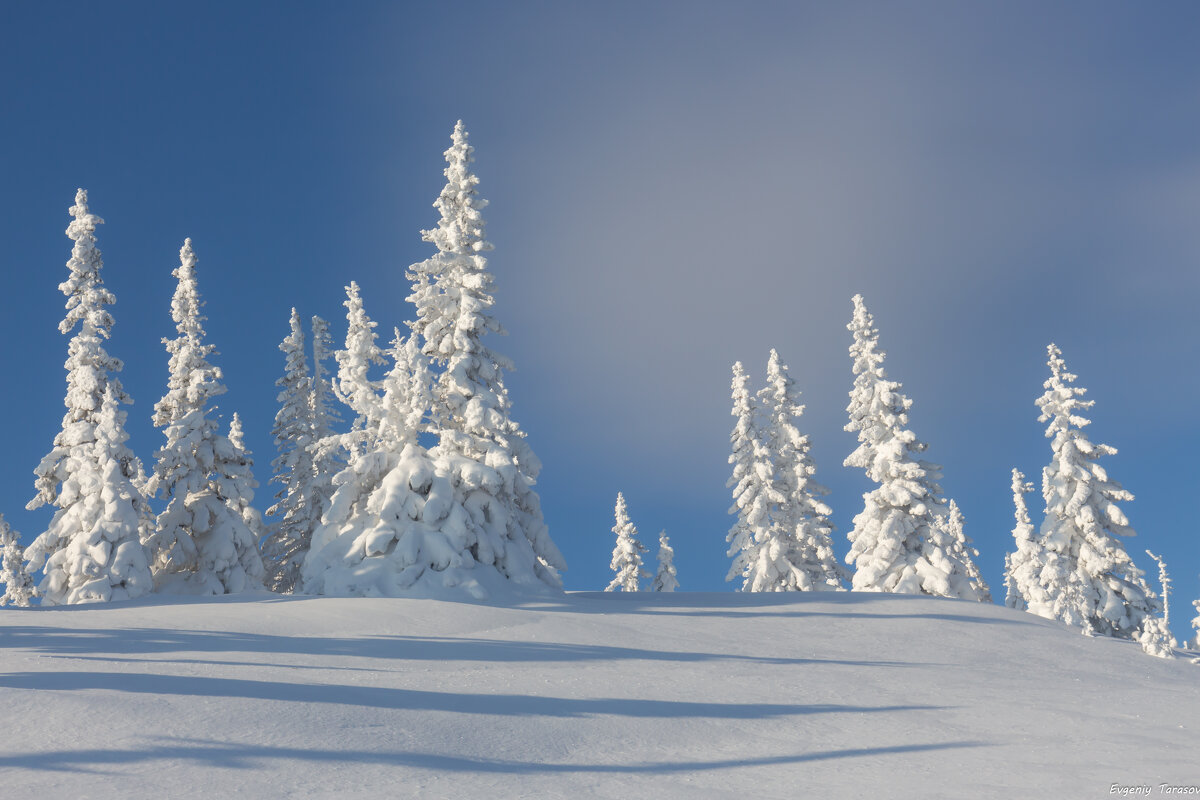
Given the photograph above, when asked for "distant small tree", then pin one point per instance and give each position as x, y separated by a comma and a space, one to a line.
664, 579
1155, 634
627, 554
18, 584
1092, 582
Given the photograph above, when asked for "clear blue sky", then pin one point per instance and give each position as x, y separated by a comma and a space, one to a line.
674, 186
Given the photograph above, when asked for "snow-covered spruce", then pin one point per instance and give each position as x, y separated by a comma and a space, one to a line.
295, 513
18, 583
353, 385
202, 543
899, 542
1091, 581
92, 550
665, 579
490, 464
327, 461
953, 524
798, 552
1196, 625
394, 525
627, 553
1023, 567
1155, 635
754, 488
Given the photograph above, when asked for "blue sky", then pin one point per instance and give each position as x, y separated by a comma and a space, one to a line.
673, 186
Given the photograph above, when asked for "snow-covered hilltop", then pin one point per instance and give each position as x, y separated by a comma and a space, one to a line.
829, 694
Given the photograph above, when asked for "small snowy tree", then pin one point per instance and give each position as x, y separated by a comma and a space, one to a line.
754, 489
354, 385
665, 579
899, 542
202, 544
1023, 568
92, 550
18, 584
1196, 625
627, 554
287, 543
1155, 634
953, 524
1089, 577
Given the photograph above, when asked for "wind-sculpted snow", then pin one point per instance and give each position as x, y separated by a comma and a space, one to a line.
583, 695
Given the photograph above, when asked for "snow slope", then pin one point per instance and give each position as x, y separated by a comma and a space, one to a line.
582, 695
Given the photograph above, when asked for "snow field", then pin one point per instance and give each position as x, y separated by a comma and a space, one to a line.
584, 694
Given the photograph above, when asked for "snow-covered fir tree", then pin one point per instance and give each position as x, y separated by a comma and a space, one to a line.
899, 542
665, 579
754, 488
354, 385
1023, 568
491, 465
327, 461
1196, 625
953, 524
797, 553
235, 483
296, 513
1155, 635
627, 553
201, 544
92, 550
392, 526
1091, 581
18, 583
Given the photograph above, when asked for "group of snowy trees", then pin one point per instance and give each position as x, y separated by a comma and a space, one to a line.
431, 488
627, 557
908, 538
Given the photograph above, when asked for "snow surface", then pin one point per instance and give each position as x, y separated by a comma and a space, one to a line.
582, 695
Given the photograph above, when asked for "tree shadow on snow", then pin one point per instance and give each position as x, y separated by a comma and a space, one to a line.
517, 705
116, 644
225, 755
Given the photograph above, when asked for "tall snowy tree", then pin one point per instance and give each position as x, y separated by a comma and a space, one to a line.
800, 553
296, 513
899, 542
1089, 577
754, 489
627, 553
18, 583
202, 543
1023, 568
665, 579
327, 461
471, 409
92, 551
